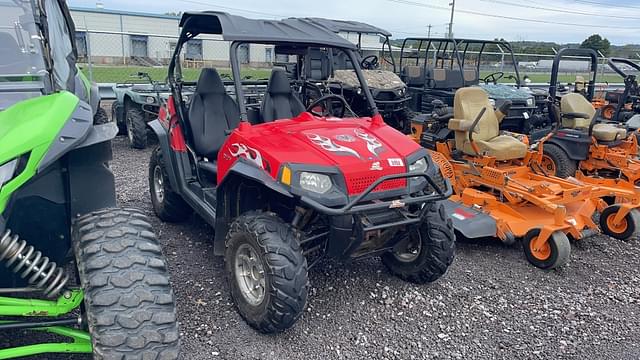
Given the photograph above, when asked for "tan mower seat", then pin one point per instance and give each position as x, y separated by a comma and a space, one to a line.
468, 103
608, 132
576, 103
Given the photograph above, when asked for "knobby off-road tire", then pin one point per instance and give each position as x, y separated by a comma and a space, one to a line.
130, 306
122, 125
564, 166
435, 253
100, 117
167, 203
136, 126
284, 267
628, 228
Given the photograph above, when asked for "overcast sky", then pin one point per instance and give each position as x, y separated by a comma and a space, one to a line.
617, 20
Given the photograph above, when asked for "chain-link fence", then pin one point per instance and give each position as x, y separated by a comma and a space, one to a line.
116, 57
112, 57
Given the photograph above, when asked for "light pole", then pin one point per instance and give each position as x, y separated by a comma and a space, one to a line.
453, 7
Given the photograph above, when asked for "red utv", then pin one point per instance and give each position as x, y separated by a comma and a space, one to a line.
284, 186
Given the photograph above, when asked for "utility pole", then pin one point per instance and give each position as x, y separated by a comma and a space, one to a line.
429, 32
453, 7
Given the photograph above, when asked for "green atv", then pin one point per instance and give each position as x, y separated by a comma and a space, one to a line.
73, 265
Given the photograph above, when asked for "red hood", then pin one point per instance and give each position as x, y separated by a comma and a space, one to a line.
361, 150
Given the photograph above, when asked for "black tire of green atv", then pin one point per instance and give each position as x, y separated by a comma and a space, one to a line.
285, 267
172, 207
136, 119
100, 117
122, 126
129, 304
437, 250
565, 167
632, 219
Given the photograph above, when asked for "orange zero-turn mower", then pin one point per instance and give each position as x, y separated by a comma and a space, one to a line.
499, 194
602, 154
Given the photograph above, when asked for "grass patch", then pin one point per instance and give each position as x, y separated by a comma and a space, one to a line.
126, 74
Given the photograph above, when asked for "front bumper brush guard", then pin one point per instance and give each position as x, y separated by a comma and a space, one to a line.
353, 208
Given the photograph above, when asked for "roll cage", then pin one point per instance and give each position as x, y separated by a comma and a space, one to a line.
239, 30
574, 53
460, 49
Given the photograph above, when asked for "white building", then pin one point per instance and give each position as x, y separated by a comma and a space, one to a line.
123, 37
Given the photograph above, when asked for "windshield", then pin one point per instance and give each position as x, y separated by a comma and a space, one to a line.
19, 40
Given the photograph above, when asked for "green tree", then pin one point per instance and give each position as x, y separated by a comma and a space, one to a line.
597, 43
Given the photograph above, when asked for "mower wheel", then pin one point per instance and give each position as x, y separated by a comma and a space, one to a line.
136, 127
266, 270
556, 162
627, 228
428, 252
129, 305
553, 254
100, 117
167, 203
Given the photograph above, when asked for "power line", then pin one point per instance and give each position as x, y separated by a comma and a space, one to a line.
504, 17
626, 6
564, 11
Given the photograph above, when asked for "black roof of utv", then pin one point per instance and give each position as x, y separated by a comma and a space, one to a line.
348, 26
238, 28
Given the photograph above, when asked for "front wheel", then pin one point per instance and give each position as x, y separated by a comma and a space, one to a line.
625, 229
552, 254
428, 252
266, 270
136, 127
129, 304
100, 117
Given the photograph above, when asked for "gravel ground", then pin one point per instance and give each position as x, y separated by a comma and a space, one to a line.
490, 305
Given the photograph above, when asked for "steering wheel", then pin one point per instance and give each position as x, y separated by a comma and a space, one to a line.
324, 99
370, 62
493, 77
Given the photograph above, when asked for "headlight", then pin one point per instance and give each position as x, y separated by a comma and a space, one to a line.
359, 91
419, 166
314, 182
7, 171
530, 102
492, 102
402, 92
150, 99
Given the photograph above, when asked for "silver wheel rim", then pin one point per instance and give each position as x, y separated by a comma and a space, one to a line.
130, 128
158, 183
250, 274
411, 252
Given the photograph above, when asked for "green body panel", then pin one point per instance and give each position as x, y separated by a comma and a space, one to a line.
31, 126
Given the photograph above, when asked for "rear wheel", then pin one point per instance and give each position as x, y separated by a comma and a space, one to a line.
129, 305
556, 162
428, 252
552, 254
628, 226
266, 270
122, 126
136, 127
167, 203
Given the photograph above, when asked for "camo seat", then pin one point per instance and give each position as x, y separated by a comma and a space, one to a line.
468, 103
576, 103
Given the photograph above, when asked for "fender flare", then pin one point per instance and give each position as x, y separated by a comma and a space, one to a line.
246, 171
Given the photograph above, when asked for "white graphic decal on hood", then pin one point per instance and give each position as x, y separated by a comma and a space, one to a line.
373, 144
249, 153
327, 144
